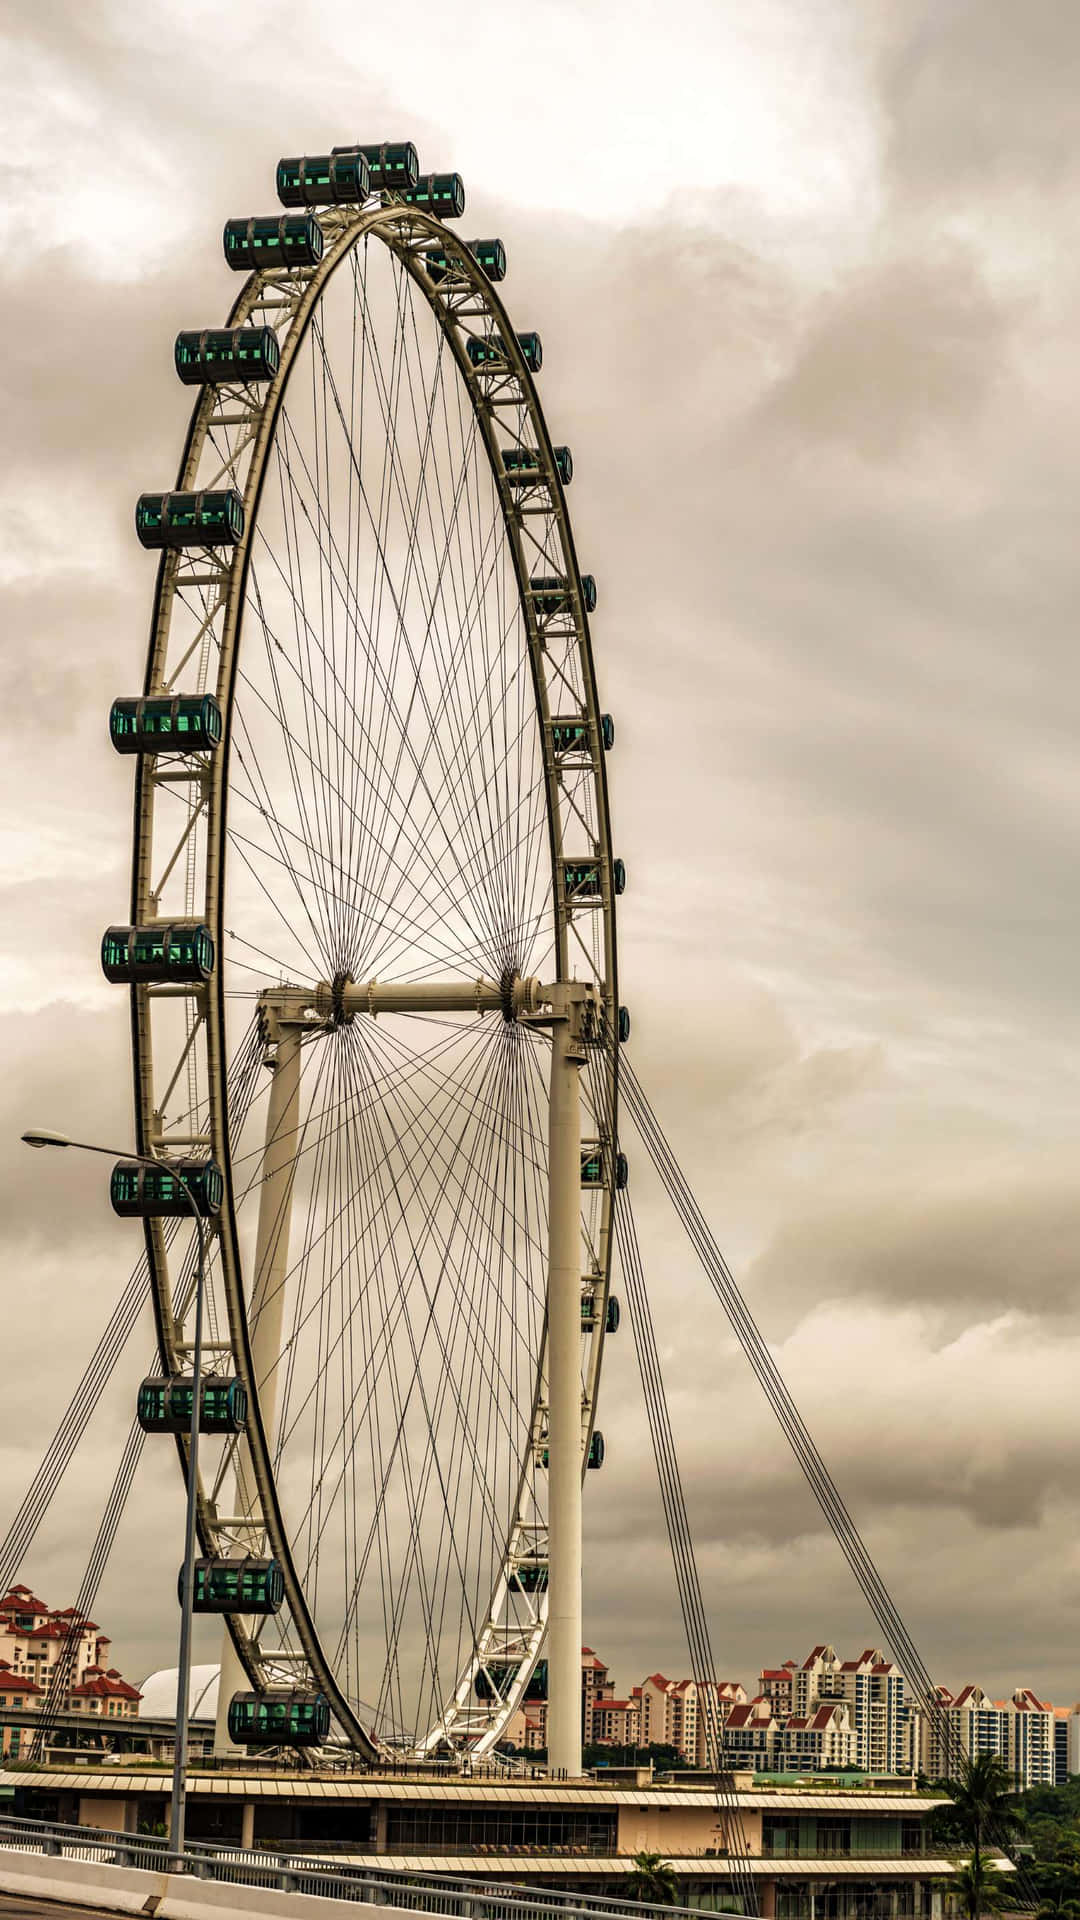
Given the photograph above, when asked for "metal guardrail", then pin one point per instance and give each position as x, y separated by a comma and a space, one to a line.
459, 1899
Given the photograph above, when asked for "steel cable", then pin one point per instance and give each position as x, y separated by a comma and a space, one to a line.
822, 1485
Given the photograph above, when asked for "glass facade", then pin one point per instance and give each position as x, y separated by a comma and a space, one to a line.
466, 1829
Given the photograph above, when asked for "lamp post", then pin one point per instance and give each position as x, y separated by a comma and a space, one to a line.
43, 1137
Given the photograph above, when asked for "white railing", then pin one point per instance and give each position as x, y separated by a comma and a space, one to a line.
460, 1899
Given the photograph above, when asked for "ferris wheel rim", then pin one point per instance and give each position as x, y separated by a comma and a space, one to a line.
386, 223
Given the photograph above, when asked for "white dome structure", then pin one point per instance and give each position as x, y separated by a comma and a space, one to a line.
159, 1694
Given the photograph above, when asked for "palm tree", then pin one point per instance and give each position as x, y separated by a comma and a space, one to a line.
653, 1881
977, 1888
983, 1803
1055, 1908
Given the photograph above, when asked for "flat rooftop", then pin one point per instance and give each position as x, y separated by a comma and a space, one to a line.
261, 1784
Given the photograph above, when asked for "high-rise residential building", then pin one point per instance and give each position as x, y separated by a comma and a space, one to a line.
1020, 1731
884, 1718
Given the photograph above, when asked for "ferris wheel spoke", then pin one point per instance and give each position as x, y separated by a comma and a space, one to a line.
434, 815
473, 955
431, 1469
410, 509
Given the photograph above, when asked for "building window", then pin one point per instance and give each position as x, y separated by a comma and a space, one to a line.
463, 1829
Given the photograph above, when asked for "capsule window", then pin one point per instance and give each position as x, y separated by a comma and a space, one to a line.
236, 1586
274, 241
491, 256
186, 722
592, 1164
607, 731
140, 1191
443, 193
391, 164
581, 880
278, 1719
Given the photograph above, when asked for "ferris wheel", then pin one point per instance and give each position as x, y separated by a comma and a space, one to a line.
371, 955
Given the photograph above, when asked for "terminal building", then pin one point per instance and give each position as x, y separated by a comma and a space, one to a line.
836, 1848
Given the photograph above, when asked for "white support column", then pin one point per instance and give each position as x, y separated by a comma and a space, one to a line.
268, 1297
564, 1391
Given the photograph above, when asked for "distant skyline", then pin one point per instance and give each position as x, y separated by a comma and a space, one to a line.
809, 291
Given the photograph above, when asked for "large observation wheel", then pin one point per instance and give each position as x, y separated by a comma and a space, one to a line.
372, 947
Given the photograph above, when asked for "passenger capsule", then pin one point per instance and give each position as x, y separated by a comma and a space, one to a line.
488, 254
491, 351
274, 240
235, 1586
592, 1164
325, 180
495, 1680
491, 256
393, 165
552, 593
529, 1578
571, 737
189, 519
607, 731
164, 1405
439, 193
624, 1024
141, 1192
582, 882
522, 466
219, 354
618, 874
180, 723
612, 1315
174, 951
279, 1718
622, 1172
595, 1456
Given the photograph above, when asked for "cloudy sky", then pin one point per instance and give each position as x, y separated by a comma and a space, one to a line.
807, 279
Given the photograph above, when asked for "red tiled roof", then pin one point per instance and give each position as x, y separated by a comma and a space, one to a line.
656, 1680
19, 1683
104, 1686
775, 1673
748, 1716
815, 1653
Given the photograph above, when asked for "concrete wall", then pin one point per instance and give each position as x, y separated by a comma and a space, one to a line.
162, 1896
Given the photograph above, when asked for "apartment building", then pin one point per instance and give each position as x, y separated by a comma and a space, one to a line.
1020, 1731
34, 1639
883, 1716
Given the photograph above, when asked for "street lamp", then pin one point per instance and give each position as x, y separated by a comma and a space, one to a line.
44, 1137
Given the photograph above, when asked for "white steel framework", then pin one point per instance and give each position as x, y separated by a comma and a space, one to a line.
415, 770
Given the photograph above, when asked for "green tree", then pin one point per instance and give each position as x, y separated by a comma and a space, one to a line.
653, 1881
983, 1804
977, 1887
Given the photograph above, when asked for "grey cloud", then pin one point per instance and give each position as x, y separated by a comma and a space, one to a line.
980, 98
829, 505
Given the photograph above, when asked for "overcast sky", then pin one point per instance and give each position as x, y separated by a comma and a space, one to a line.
807, 278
